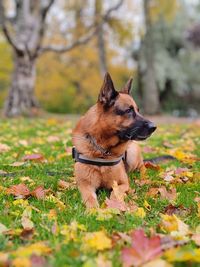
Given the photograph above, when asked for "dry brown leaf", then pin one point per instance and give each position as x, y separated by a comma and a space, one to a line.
115, 204
63, 184
34, 157
171, 194
39, 192
20, 190
4, 148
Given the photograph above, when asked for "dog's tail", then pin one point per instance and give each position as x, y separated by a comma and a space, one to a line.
159, 159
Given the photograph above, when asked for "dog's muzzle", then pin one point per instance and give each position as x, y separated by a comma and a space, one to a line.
140, 130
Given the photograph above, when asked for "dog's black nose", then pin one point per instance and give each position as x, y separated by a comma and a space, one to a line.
151, 127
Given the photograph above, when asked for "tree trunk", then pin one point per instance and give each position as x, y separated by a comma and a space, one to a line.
21, 99
100, 39
148, 79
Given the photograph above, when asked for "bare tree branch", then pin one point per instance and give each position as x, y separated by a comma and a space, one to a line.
7, 34
65, 48
110, 10
45, 10
84, 39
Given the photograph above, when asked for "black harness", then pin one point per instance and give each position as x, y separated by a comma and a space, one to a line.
78, 157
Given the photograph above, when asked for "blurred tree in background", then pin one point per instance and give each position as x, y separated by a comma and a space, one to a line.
156, 41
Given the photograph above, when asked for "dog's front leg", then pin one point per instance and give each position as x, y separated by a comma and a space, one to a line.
88, 193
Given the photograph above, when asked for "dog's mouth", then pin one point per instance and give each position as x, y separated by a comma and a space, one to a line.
137, 133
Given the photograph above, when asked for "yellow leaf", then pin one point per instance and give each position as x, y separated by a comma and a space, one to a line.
21, 262
147, 205
52, 215
96, 241
39, 248
140, 212
21, 202
70, 231
183, 254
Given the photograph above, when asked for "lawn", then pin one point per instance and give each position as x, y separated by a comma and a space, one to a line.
44, 223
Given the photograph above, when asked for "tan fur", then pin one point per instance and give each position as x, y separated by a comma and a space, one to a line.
102, 126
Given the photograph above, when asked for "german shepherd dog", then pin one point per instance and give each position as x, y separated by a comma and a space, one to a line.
104, 140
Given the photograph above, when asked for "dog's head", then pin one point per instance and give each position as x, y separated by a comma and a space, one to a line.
120, 113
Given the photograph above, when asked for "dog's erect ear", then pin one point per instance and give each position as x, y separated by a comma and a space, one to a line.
107, 93
127, 87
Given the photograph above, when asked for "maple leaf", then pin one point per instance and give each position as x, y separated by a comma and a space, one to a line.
142, 250
39, 192
115, 204
171, 195
20, 190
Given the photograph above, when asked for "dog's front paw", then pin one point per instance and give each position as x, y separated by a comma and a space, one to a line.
91, 203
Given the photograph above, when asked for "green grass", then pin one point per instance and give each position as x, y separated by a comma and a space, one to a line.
35, 132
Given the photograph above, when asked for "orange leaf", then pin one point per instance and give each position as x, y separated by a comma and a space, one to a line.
142, 250
20, 190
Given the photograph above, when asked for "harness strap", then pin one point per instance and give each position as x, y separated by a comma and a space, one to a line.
78, 157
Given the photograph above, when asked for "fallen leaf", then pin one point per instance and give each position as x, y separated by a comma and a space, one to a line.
97, 241
183, 254
4, 148
21, 262
53, 139
39, 192
174, 226
152, 192
117, 194
115, 204
142, 250
20, 190
3, 228
178, 210
147, 205
34, 157
196, 239
63, 184
4, 259
39, 248
157, 263
17, 164
26, 218
150, 165
171, 194
38, 261
140, 212
101, 261
27, 234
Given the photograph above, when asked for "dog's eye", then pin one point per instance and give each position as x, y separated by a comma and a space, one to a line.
129, 110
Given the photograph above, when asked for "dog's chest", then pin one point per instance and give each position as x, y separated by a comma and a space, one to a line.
110, 174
